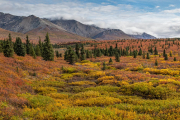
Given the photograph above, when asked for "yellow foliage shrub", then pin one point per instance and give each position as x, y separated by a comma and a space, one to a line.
63, 103
125, 114
106, 78
99, 101
121, 83
45, 90
69, 70
162, 71
87, 94
79, 74
88, 64
58, 95
66, 76
36, 113
80, 83
104, 82
96, 74
169, 81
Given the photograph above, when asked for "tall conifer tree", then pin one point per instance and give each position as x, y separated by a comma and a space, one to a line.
8, 49
19, 47
48, 52
28, 45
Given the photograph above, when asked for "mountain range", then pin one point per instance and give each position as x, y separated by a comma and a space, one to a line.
59, 30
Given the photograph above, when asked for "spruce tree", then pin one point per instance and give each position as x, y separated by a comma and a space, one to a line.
147, 57
19, 47
174, 58
106, 52
110, 61
66, 55
155, 51
48, 52
135, 54
87, 54
111, 51
104, 66
37, 50
72, 57
170, 54
127, 52
124, 52
98, 53
140, 52
156, 63
10, 38
119, 51
8, 49
57, 54
117, 57
116, 46
77, 48
83, 54
164, 52
27, 45
166, 57
40, 45
32, 52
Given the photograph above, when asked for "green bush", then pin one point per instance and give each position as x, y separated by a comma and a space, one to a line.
36, 101
146, 90
69, 70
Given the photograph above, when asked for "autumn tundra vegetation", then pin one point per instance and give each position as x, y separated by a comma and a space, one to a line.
134, 79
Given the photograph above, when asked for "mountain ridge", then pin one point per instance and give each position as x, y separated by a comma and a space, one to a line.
62, 29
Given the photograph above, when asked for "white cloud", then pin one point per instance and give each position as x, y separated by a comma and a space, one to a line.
125, 17
157, 6
173, 11
171, 5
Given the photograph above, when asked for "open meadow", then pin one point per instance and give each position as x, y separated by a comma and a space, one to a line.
140, 82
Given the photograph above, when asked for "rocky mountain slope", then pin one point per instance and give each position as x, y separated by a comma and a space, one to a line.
62, 30
143, 36
37, 27
112, 34
78, 28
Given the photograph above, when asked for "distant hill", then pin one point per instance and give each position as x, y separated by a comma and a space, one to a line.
35, 27
143, 36
62, 30
4, 34
112, 34
78, 28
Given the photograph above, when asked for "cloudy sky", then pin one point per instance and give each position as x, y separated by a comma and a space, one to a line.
160, 18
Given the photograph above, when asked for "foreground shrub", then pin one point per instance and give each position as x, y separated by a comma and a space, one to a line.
66, 76
87, 94
97, 113
45, 90
36, 101
99, 101
105, 88
69, 70
162, 71
58, 96
146, 90
96, 74
80, 83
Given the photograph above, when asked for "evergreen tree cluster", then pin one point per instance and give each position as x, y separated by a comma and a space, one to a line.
21, 49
